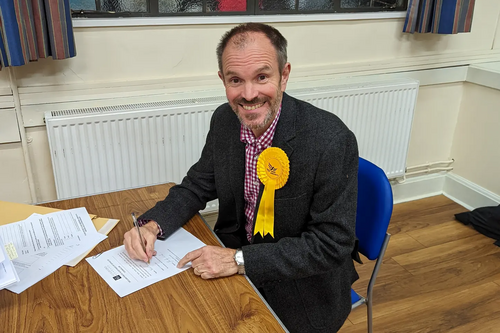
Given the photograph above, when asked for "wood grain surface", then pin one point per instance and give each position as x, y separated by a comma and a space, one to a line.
76, 299
438, 275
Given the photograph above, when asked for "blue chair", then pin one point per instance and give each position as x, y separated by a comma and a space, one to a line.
372, 220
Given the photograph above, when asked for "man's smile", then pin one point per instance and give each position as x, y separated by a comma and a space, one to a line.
251, 107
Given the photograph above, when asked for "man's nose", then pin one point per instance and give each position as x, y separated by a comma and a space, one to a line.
249, 92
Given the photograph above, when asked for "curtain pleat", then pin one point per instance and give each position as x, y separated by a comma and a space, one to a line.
33, 29
439, 16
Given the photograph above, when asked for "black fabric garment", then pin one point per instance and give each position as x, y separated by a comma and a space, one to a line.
486, 220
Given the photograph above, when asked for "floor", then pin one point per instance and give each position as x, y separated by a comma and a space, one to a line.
437, 276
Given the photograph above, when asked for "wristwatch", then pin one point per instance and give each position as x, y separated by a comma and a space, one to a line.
238, 257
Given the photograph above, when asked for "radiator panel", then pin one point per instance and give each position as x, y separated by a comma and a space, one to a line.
98, 153
113, 148
380, 117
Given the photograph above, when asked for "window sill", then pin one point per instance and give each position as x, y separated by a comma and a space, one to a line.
154, 21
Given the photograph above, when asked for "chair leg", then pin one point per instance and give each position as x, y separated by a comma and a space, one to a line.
369, 315
369, 294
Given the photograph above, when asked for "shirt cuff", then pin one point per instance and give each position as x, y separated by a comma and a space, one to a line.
144, 222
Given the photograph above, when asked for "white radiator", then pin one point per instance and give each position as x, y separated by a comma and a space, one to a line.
98, 150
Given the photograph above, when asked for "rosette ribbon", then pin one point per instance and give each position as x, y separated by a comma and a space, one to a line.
273, 168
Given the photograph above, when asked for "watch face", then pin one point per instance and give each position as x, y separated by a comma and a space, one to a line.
238, 257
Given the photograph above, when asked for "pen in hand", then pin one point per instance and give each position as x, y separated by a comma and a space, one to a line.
140, 236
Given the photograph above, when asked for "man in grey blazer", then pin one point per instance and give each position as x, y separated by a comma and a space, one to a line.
304, 269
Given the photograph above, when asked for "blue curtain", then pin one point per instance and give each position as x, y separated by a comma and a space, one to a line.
439, 16
33, 29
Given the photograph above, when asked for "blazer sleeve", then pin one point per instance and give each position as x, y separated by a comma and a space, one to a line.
328, 237
189, 197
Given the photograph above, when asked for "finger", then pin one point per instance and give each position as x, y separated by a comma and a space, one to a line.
206, 276
149, 241
128, 241
149, 238
136, 246
190, 256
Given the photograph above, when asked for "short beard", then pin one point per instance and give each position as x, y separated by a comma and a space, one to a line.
271, 111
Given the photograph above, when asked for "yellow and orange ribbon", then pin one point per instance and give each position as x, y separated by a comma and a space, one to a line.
273, 168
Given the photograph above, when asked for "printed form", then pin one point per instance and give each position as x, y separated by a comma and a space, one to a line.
8, 274
125, 275
40, 233
46, 242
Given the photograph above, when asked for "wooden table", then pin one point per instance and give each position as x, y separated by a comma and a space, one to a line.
76, 299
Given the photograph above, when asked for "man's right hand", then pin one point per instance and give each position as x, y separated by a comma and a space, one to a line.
133, 244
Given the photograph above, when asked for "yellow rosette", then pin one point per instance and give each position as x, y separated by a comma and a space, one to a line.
273, 168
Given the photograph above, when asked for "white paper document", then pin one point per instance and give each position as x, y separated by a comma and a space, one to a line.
46, 242
104, 230
8, 274
126, 276
40, 233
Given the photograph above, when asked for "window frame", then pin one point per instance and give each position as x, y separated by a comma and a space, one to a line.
252, 11
208, 20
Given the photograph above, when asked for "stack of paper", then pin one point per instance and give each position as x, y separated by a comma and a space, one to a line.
46, 242
8, 274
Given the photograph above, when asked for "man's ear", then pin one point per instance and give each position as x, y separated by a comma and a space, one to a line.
221, 77
285, 74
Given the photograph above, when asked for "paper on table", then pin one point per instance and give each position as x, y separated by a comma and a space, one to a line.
35, 267
104, 230
8, 274
48, 241
13, 212
40, 233
11, 251
126, 276
3, 253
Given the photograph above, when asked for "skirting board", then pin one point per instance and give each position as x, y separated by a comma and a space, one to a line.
458, 189
467, 193
418, 187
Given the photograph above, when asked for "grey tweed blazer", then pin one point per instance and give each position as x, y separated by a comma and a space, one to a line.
306, 271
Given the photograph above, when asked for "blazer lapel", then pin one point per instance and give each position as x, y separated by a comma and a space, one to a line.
236, 160
285, 129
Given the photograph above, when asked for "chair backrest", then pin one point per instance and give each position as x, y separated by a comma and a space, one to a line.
374, 208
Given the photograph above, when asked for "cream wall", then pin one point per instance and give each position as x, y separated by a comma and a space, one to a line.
4, 78
434, 123
496, 44
158, 52
477, 137
141, 64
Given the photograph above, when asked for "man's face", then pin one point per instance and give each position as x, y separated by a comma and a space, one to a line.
253, 82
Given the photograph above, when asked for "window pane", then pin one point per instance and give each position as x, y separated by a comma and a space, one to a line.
82, 4
227, 5
275, 5
123, 6
315, 4
371, 3
181, 6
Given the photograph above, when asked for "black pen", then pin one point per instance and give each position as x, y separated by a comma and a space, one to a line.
140, 236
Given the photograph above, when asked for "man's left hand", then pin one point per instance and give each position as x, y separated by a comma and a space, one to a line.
211, 262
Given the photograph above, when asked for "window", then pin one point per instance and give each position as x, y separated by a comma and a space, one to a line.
138, 8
